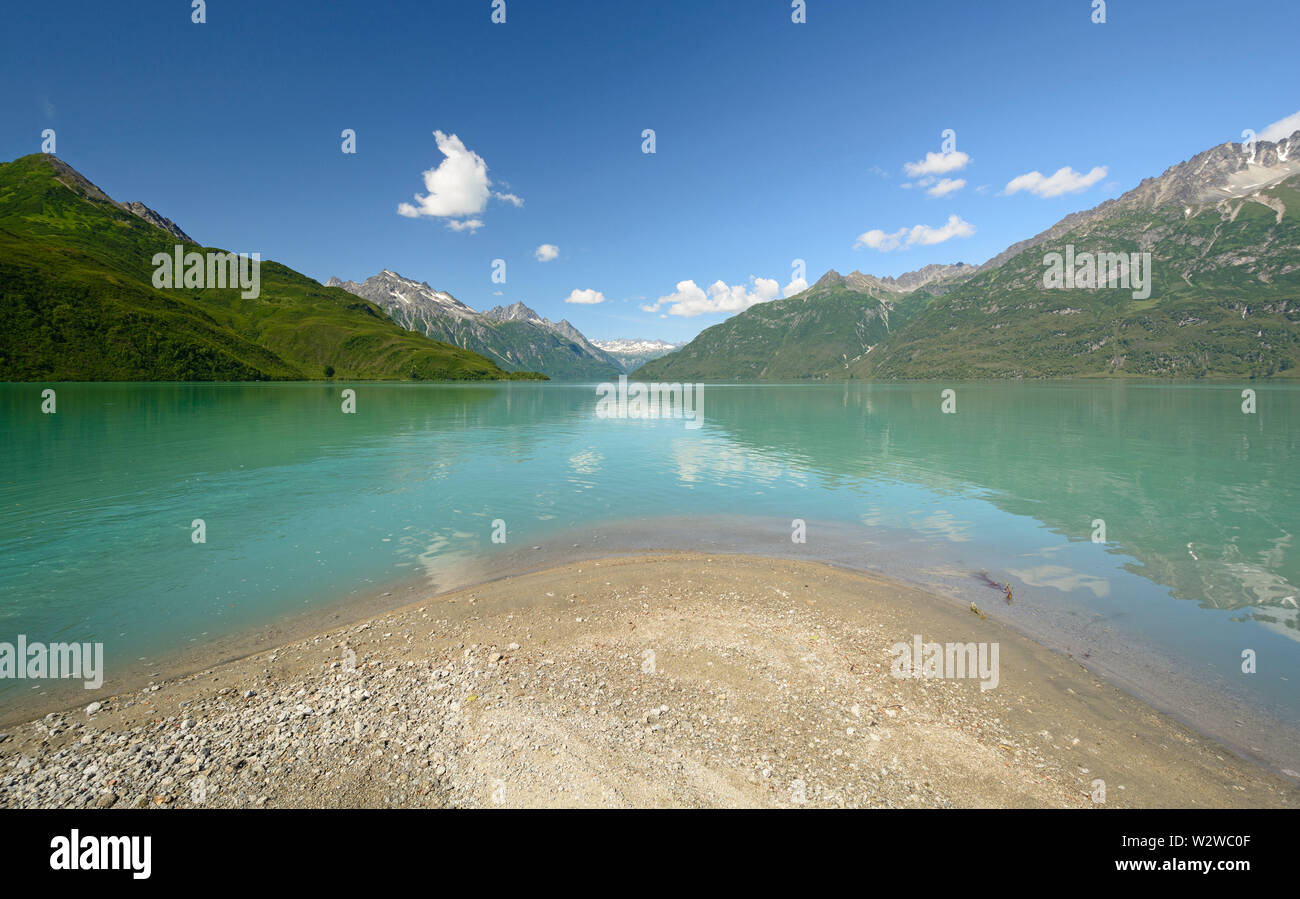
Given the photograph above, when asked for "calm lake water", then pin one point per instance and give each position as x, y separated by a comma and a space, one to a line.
305, 505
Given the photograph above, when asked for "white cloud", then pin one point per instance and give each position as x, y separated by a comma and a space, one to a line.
1065, 181
956, 226
546, 252
876, 239
689, 299
585, 297
458, 187
1281, 128
937, 187
798, 285
946, 186
922, 235
937, 164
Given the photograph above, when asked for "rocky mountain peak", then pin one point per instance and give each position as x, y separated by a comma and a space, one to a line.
830, 279
867, 283
904, 283
1226, 170
930, 274
515, 312
390, 290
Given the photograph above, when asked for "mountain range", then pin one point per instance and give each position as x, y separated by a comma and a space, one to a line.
78, 302
1223, 233
514, 337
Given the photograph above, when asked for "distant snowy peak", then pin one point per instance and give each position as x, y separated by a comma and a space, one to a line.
634, 345
635, 352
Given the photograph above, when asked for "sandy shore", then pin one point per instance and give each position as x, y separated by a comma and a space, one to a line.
673, 680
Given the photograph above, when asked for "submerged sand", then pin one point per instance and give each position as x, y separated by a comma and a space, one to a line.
670, 680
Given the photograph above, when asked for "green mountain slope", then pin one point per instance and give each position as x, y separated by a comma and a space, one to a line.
77, 302
817, 334
524, 345
1224, 301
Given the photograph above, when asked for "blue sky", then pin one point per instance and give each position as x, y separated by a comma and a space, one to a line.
775, 141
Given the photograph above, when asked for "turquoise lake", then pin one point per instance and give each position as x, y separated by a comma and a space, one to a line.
305, 506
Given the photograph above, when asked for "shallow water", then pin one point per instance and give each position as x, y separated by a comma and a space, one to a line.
305, 505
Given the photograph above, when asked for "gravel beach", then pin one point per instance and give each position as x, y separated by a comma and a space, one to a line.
667, 681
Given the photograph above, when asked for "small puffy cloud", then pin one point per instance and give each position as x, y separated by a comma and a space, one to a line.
946, 186
689, 299
917, 235
1282, 128
1065, 181
798, 285
937, 164
875, 239
546, 252
458, 187
956, 226
585, 297
764, 289
936, 187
